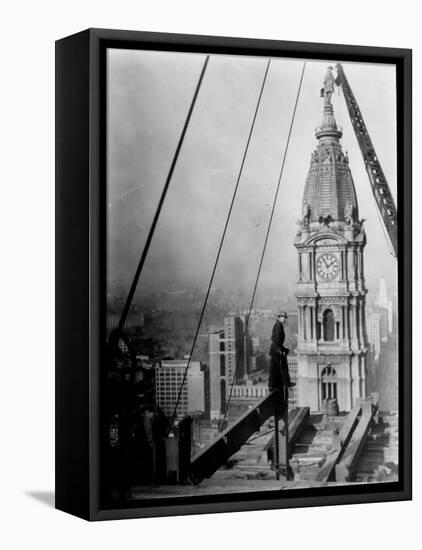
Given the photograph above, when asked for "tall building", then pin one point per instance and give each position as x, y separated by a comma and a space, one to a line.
229, 356
374, 332
384, 330
168, 380
382, 299
330, 241
385, 306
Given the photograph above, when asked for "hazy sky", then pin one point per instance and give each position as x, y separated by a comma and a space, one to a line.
149, 94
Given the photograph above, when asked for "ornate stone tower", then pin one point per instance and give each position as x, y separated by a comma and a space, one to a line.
332, 342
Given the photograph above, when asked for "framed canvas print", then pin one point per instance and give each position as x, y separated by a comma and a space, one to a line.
233, 274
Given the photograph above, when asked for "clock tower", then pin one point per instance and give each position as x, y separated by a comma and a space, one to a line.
332, 342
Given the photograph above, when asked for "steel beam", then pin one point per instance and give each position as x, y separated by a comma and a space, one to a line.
208, 461
380, 187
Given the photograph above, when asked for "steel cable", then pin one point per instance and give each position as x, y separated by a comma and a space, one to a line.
221, 242
265, 245
144, 254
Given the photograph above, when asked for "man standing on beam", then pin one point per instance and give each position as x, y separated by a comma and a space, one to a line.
279, 372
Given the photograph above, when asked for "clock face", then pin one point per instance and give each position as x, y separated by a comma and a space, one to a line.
327, 266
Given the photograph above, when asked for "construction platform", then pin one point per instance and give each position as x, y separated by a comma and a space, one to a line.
356, 447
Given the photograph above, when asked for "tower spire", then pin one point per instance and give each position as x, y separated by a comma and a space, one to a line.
328, 127
329, 199
331, 289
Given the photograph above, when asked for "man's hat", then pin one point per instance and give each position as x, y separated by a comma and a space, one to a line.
282, 314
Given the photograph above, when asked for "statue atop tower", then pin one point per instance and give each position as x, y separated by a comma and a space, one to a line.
328, 89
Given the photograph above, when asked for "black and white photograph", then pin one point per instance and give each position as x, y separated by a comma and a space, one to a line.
210, 275
233, 266
251, 336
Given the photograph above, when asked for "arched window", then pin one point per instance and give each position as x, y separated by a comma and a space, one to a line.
329, 383
328, 371
328, 325
223, 395
222, 365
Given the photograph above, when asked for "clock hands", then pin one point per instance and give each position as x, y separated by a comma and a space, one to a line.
328, 265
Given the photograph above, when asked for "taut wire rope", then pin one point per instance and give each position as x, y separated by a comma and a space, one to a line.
221, 242
265, 245
144, 254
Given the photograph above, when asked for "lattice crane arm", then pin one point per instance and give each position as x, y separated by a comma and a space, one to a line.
378, 181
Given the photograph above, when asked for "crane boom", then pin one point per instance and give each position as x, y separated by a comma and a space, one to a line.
380, 188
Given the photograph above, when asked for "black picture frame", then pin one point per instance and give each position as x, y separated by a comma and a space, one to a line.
80, 261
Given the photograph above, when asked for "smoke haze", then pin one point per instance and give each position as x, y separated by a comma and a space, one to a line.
149, 94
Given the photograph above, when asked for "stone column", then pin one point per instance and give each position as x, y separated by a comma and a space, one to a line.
353, 322
300, 323
313, 323
351, 268
362, 274
364, 340
306, 267
363, 376
357, 322
308, 322
346, 322
362, 322
358, 265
